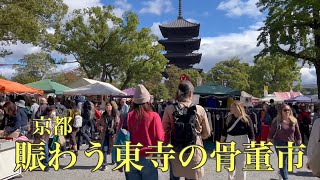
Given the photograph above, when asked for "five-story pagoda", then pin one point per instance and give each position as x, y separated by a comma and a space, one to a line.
181, 41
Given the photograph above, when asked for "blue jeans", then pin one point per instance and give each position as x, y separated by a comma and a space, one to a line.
284, 170
148, 171
45, 161
105, 148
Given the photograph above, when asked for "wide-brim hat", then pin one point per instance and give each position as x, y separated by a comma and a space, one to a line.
21, 103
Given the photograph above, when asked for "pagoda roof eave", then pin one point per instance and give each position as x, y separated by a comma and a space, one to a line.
180, 23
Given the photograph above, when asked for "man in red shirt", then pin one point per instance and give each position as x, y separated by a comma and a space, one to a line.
304, 119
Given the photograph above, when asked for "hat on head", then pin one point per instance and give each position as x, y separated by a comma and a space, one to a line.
21, 103
141, 95
43, 101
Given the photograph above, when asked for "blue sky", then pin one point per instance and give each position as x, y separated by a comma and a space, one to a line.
228, 28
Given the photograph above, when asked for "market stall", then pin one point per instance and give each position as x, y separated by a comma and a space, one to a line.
98, 89
10, 87
49, 86
7, 160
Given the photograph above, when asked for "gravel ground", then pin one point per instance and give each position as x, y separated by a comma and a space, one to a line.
82, 170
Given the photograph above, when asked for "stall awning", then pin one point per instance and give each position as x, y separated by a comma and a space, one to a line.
95, 89
10, 87
49, 86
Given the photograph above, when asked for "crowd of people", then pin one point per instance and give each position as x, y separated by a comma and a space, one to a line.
180, 123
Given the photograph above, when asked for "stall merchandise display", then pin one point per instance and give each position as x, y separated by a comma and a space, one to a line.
7, 159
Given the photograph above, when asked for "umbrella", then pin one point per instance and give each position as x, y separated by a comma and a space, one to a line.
49, 86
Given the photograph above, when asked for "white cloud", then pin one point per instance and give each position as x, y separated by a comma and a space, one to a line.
308, 75
121, 6
242, 45
19, 50
157, 7
192, 20
240, 8
156, 30
7, 72
74, 4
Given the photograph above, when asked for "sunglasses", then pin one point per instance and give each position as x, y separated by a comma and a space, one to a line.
286, 110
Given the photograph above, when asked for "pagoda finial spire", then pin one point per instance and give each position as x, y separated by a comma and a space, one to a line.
180, 10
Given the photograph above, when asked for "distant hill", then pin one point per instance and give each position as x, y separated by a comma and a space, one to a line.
309, 86
309, 89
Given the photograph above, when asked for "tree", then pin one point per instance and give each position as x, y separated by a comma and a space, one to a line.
34, 67
68, 77
292, 28
233, 71
173, 81
2, 76
174, 73
278, 72
109, 47
28, 20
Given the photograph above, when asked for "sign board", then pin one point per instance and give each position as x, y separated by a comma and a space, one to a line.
265, 90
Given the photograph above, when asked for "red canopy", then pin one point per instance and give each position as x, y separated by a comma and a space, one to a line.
10, 87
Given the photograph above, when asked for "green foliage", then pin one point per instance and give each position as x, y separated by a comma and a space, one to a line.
233, 71
174, 74
278, 71
34, 67
67, 77
28, 20
292, 27
108, 47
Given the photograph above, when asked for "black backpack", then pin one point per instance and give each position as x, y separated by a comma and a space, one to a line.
184, 133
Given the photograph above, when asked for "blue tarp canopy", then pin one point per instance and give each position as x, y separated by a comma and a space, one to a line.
300, 99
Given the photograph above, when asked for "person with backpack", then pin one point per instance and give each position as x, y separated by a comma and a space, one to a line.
108, 125
238, 128
61, 110
284, 129
23, 114
304, 118
185, 124
84, 131
272, 111
145, 127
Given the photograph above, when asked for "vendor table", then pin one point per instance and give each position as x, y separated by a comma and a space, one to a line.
7, 160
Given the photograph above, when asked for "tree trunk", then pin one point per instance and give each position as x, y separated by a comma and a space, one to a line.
110, 77
316, 24
104, 72
126, 82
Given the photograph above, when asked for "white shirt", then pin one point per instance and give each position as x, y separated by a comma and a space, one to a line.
34, 108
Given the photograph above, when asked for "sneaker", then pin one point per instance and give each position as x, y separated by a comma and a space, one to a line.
63, 156
104, 167
76, 152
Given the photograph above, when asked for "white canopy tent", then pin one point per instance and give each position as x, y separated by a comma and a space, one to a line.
269, 97
84, 81
97, 88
